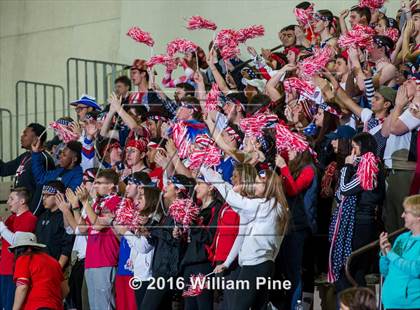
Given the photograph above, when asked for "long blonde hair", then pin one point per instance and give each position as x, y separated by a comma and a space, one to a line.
247, 174
274, 190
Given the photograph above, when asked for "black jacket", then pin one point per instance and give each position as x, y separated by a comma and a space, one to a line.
25, 178
51, 232
368, 202
168, 250
201, 235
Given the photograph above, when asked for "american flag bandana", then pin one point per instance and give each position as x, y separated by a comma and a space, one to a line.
46, 189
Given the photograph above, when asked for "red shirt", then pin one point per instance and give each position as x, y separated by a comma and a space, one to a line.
157, 176
226, 232
302, 182
45, 276
23, 222
103, 247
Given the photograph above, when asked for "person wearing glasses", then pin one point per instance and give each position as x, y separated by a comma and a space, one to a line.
400, 264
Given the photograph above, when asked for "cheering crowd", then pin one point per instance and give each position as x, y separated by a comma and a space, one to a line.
278, 167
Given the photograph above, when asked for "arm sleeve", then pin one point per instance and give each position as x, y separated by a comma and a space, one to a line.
409, 120
349, 183
383, 265
369, 90
140, 244
216, 179
40, 174
409, 266
10, 167
302, 182
7, 234
234, 251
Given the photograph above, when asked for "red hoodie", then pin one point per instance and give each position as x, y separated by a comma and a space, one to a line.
226, 232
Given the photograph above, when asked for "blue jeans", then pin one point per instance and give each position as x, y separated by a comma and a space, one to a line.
7, 292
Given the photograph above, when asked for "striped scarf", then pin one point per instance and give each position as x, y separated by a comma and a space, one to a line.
340, 236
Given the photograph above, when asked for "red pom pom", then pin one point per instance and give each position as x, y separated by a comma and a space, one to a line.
250, 32
64, 132
184, 212
180, 46
198, 22
287, 140
359, 36
209, 156
314, 64
372, 4
198, 284
303, 87
305, 17
367, 171
212, 100
253, 126
227, 42
179, 135
393, 34
140, 36
165, 60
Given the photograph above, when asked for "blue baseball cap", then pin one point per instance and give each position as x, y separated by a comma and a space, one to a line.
342, 132
86, 100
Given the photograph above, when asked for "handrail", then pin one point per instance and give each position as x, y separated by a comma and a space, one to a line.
2, 110
364, 249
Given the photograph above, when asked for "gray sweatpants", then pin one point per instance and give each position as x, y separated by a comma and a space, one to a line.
100, 285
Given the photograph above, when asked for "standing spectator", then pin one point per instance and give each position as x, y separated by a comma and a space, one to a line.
21, 166
102, 244
122, 86
69, 172
84, 105
50, 228
39, 280
21, 220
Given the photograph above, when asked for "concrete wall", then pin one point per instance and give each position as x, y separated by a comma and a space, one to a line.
37, 37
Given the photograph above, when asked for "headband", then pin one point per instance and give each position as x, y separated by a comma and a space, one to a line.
329, 109
138, 144
47, 189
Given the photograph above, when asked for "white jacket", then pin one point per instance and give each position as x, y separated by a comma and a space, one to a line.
258, 240
141, 255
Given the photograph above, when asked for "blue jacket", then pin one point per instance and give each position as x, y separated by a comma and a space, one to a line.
401, 269
70, 178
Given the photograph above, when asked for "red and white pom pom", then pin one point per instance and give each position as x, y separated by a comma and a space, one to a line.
161, 59
367, 171
302, 86
212, 100
253, 126
226, 37
184, 212
64, 132
125, 212
208, 157
199, 22
392, 33
203, 140
305, 17
314, 64
198, 284
140, 36
250, 32
228, 52
180, 46
372, 4
287, 140
179, 135
360, 36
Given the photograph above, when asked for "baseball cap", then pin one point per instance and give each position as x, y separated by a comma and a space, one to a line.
342, 132
388, 93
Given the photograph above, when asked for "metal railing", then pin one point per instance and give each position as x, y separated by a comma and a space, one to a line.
6, 123
92, 77
38, 102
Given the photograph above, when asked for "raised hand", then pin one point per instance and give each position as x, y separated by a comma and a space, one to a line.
82, 193
72, 198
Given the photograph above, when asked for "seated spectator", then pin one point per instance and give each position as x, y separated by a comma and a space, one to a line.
400, 265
